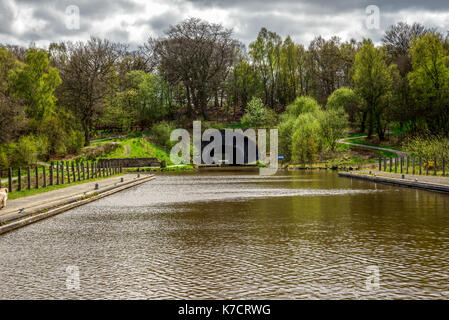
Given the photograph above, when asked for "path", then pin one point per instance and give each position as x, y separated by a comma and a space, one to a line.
47, 198
344, 141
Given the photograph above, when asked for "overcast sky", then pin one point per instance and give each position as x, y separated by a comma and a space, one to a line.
133, 21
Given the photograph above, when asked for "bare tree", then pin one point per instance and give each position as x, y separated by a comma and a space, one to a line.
87, 76
197, 54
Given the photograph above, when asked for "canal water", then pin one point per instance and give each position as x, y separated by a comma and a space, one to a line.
295, 235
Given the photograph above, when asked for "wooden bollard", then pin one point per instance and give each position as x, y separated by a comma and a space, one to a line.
73, 172
62, 173
44, 174
37, 178
78, 171
10, 179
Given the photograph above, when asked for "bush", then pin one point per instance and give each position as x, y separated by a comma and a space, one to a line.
75, 141
4, 163
302, 105
257, 115
23, 152
161, 133
95, 151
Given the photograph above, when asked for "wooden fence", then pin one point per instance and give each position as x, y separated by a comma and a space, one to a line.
56, 173
414, 165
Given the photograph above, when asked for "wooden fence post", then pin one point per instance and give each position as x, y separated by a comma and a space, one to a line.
444, 167
420, 165
73, 172
29, 178
408, 164
396, 164
19, 186
402, 163
10, 179
51, 173
427, 167
62, 172
78, 171
68, 171
435, 167
45, 176
37, 178
385, 164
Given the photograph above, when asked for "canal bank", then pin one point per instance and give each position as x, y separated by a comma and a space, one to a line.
428, 183
23, 211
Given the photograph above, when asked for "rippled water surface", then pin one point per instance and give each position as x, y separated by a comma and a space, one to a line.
237, 236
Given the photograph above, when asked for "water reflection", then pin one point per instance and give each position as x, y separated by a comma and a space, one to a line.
236, 236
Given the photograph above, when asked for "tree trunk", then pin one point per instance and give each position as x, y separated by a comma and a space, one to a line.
86, 134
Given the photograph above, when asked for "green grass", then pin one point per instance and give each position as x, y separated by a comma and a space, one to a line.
26, 193
139, 147
363, 141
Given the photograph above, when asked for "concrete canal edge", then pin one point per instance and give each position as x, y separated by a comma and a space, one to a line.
435, 187
40, 213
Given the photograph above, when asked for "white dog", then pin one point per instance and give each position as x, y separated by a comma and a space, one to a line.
3, 197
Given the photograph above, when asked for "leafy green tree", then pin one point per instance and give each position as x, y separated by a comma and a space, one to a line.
373, 83
306, 143
333, 124
302, 105
35, 83
346, 99
429, 81
258, 115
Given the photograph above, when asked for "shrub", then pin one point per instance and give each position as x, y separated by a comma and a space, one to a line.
4, 163
257, 115
95, 151
24, 152
302, 105
161, 133
75, 141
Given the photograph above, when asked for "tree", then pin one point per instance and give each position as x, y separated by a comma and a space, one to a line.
12, 116
199, 55
35, 84
373, 82
346, 99
265, 55
258, 115
88, 76
327, 65
333, 124
429, 81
